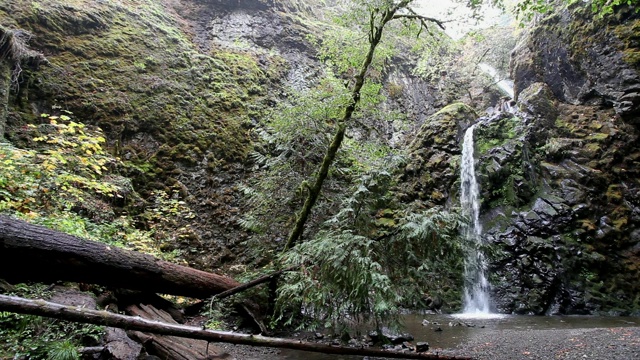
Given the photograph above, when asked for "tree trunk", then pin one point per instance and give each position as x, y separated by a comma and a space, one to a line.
171, 347
83, 315
35, 253
5, 87
253, 283
313, 192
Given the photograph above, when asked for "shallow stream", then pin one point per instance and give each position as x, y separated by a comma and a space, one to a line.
452, 336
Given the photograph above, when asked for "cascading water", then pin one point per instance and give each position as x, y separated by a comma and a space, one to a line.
504, 84
476, 292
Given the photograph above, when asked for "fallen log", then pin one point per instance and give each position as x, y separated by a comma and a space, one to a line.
34, 253
82, 315
171, 347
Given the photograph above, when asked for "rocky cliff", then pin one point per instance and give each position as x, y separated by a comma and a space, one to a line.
559, 176
561, 195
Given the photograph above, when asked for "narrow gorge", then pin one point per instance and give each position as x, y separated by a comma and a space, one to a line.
494, 173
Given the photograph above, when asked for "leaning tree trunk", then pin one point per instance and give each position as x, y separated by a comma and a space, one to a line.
35, 253
5, 86
378, 20
313, 192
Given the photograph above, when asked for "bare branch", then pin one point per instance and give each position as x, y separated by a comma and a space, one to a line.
423, 19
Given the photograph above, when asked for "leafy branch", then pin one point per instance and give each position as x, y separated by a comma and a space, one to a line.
379, 17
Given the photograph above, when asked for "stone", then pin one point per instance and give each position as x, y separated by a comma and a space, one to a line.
387, 335
120, 346
422, 346
539, 100
544, 209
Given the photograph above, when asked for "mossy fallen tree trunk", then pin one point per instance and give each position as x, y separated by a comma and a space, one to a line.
83, 315
34, 253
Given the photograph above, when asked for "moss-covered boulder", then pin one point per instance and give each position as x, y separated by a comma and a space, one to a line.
434, 162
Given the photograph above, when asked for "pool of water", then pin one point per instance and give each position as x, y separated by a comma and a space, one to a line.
456, 330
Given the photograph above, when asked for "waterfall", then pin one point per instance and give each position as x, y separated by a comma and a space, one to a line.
476, 291
505, 84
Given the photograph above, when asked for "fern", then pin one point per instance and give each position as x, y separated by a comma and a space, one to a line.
63, 350
249, 222
347, 275
339, 278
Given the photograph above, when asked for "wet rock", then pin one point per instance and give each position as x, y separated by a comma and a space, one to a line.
594, 72
431, 171
544, 210
539, 100
387, 335
422, 346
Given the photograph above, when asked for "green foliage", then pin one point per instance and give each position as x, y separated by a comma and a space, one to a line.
64, 350
64, 170
345, 49
339, 279
295, 138
344, 275
215, 317
67, 181
425, 256
34, 337
526, 9
369, 193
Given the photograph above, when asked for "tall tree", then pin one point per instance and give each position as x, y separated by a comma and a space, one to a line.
380, 13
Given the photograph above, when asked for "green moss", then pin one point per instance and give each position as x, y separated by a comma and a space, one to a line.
496, 134
614, 193
132, 69
598, 137
629, 34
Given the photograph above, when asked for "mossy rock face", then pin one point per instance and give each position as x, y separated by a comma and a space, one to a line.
435, 156
539, 100
567, 246
584, 59
177, 112
505, 173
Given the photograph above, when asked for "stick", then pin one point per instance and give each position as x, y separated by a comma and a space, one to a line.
69, 313
250, 284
